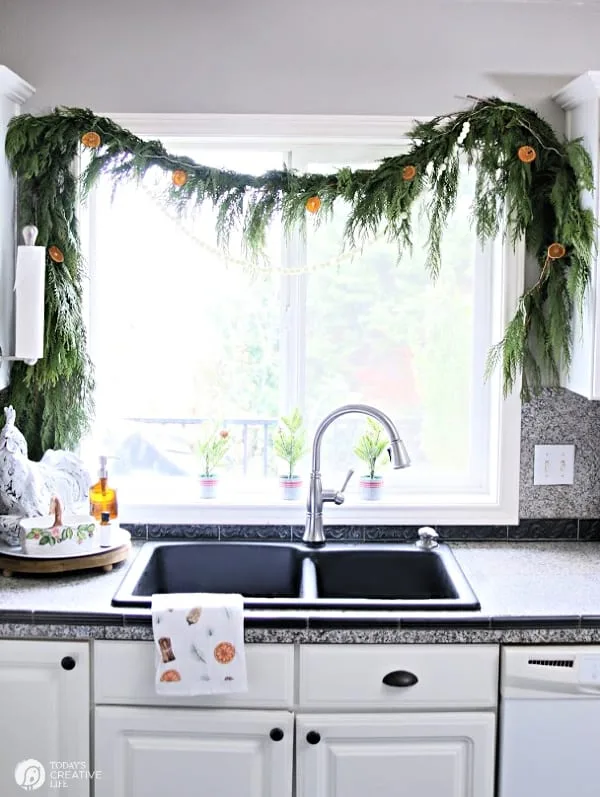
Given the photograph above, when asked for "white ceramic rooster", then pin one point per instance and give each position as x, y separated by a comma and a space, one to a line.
27, 488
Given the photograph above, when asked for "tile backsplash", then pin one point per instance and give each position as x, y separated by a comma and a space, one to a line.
538, 529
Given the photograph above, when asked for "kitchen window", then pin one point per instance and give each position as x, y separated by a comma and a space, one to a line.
182, 336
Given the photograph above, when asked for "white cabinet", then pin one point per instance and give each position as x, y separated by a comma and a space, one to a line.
387, 720
419, 735
153, 752
44, 710
442, 677
581, 101
148, 745
124, 675
395, 755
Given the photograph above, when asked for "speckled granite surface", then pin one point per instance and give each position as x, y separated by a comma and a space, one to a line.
546, 592
559, 417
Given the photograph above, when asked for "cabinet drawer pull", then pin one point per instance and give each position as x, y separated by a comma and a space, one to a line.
68, 663
276, 734
312, 737
400, 678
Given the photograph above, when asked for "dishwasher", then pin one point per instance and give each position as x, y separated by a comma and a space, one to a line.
549, 736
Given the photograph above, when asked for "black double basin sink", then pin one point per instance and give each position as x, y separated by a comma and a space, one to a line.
295, 576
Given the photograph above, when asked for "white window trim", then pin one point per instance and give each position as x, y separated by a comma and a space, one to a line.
499, 508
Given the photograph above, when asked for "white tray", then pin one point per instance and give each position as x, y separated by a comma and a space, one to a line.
120, 537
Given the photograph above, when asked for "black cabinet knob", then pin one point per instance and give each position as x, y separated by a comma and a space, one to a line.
400, 678
312, 737
276, 734
68, 663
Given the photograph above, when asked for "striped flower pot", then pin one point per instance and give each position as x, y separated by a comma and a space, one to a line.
291, 489
208, 486
371, 489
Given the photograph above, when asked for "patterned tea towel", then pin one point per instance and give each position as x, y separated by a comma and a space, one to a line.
199, 640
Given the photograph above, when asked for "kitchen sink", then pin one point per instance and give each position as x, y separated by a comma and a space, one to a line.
282, 575
391, 576
263, 573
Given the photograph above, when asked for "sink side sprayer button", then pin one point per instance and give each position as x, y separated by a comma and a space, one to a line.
400, 678
428, 538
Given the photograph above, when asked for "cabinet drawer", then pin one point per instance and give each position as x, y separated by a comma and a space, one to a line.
351, 676
124, 674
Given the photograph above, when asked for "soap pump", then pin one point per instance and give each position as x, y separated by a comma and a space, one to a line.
103, 498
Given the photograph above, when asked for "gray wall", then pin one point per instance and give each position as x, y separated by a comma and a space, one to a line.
324, 56
276, 56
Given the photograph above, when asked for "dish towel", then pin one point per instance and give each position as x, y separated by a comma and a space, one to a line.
199, 640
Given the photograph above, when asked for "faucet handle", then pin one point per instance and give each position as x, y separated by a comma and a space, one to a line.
339, 496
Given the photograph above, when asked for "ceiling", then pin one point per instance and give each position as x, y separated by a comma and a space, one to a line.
559, 3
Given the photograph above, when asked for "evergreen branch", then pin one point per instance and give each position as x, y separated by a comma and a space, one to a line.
537, 201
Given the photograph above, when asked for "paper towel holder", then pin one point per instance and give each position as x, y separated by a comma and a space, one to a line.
8, 358
29, 233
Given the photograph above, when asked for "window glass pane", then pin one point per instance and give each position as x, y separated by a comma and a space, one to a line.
178, 336
381, 332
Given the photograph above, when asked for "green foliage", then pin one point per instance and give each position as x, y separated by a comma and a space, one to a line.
211, 450
371, 446
54, 398
290, 441
538, 202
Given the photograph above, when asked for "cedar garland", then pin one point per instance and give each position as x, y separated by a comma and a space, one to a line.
528, 185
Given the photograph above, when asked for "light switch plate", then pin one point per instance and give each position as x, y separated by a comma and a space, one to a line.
553, 464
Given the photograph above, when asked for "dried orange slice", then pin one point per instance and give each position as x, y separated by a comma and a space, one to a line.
313, 203
224, 652
556, 251
171, 676
409, 173
91, 139
56, 254
179, 178
527, 154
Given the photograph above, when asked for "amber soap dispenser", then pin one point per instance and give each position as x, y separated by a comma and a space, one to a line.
102, 497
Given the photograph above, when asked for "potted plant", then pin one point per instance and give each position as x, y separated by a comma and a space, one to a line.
211, 450
290, 446
371, 447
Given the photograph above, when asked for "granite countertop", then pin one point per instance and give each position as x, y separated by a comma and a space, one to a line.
530, 592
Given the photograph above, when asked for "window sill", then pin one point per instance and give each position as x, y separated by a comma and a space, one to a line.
389, 511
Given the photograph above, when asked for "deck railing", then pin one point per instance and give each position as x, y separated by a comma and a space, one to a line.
252, 434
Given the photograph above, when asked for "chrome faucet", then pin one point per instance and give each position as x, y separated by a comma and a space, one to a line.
317, 496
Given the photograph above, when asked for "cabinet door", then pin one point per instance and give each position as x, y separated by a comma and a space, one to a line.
151, 752
395, 755
44, 715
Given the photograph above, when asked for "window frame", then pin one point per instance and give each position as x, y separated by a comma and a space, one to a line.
496, 506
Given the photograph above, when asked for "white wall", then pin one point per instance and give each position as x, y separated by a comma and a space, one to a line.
13, 92
7, 259
407, 57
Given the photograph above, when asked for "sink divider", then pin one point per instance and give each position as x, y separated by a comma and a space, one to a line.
308, 582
